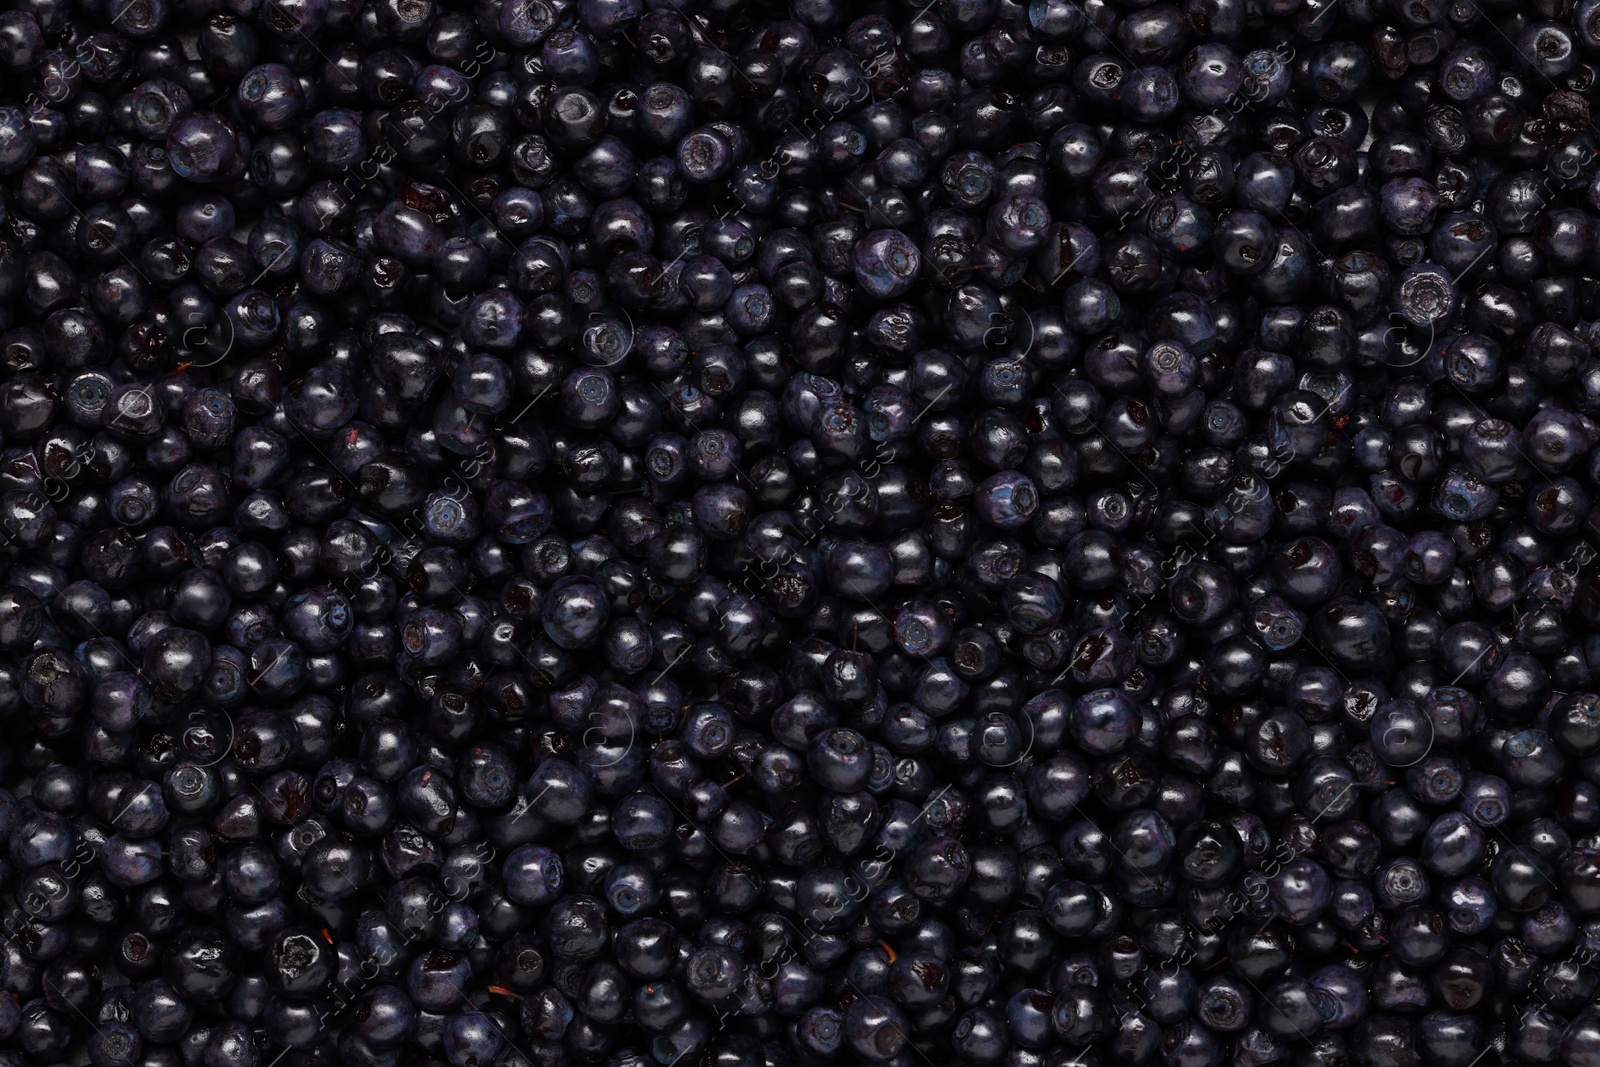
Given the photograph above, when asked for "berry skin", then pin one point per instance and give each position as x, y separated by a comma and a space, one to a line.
633, 534
886, 263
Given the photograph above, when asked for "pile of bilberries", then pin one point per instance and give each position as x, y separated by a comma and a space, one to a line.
741, 533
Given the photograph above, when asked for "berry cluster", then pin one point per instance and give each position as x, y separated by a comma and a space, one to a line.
756, 534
